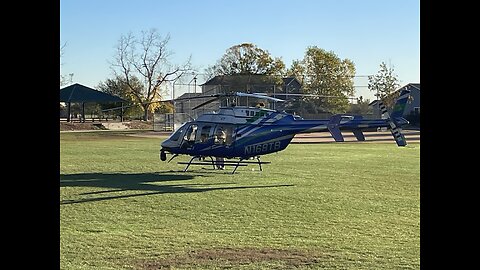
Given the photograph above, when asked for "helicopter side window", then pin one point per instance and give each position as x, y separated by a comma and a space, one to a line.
204, 134
223, 134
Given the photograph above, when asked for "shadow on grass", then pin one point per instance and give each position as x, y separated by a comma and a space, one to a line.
116, 183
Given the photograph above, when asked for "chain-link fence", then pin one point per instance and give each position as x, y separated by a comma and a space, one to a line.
170, 121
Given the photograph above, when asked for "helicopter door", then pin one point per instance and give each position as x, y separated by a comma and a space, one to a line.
205, 134
189, 138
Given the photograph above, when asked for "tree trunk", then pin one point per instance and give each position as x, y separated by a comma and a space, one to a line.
145, 112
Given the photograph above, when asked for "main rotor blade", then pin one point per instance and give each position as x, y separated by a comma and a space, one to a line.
256, 95
205, 103
197, 97
303, 95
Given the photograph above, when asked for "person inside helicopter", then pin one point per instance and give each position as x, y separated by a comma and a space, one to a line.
220, 138
189, 138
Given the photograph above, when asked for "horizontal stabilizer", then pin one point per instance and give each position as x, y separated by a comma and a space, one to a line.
333, 128
359, 134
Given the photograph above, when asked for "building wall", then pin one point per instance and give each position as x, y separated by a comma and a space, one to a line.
411, 105
414, 103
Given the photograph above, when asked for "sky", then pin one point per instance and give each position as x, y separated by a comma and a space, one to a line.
368, 32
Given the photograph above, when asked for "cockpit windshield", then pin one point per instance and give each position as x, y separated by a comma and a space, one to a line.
177, 134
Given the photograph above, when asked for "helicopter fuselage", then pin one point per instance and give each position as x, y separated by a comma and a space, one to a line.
251, 131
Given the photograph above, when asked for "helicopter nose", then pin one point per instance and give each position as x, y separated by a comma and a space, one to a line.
167, 144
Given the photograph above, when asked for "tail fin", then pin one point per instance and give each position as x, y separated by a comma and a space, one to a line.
400, 104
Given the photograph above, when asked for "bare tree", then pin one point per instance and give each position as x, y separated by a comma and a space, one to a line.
146, 58
63, 80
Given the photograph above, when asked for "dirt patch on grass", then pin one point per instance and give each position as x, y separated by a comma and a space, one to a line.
135, 124
231, 257
64, 126
139, 124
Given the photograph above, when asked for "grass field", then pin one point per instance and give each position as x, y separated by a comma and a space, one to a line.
317, 206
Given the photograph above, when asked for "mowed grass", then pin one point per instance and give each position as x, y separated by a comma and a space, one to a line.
317, 206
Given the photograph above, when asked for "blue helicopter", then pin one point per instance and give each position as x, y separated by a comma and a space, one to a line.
247, 133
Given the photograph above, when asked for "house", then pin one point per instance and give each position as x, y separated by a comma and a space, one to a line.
413, 105
249, 83
187, 101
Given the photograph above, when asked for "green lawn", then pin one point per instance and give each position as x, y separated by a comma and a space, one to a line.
317, 206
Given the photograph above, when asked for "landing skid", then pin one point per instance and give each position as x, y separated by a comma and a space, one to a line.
240, 163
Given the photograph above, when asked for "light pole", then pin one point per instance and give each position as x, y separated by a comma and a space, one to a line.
173, 101
195, 84
194, 79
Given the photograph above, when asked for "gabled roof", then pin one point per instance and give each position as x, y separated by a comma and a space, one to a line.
291, 80
414, 85
189, 95
80, 93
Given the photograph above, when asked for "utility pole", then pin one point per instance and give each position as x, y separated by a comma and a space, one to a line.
173, 101
195, 84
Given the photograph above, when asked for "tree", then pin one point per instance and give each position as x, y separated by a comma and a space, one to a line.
118, 87
297, 69
361, 108
325, 74
146, 58
246, 59
63, 79
384, 83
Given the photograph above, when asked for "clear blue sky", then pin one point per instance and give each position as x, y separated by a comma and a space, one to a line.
364, 31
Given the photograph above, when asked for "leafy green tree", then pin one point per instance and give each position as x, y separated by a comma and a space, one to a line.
324, 74
249, 68
146, 57
361, 107
384, 84
165, 107
247, 58
63, 79
297, 69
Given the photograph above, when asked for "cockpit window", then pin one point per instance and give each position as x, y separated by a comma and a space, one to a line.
177, 134
191, 132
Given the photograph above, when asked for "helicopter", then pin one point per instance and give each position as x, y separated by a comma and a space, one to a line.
246, 133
